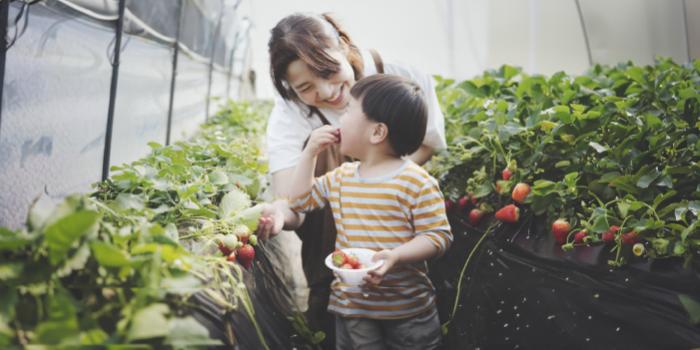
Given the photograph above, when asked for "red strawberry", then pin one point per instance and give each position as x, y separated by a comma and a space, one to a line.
472, 198
510, 214
560, 228
337, 133
231, 257
352, 260
506, 174
246, 254
224, 249
475, 216
609, 235
339, 258
629, 238
520, 192
449, 205
464, 203
580, 235
347, 266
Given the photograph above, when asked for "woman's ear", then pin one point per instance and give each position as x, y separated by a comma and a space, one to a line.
380, 132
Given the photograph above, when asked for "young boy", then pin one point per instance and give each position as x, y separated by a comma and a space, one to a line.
381, 202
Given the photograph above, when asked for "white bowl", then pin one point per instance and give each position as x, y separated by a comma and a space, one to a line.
354, 277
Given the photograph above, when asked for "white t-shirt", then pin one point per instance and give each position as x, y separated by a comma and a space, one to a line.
289, 124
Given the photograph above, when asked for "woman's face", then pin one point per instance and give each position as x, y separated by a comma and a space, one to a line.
312, 90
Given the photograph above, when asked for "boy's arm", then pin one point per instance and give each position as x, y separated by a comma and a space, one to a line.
432, 231
306, 193
303, 179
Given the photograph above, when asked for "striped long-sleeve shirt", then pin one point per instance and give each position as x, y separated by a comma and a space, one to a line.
382, 213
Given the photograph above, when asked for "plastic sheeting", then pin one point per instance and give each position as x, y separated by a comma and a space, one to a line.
57, 88
273, 304
54, 109
521, 291
636, 30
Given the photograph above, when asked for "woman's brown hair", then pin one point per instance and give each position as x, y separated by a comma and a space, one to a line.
306, 37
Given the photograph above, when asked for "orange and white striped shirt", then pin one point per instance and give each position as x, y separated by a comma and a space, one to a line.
382, 213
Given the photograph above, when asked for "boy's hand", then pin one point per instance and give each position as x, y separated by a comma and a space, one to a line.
321, 139
271, 221
390, 257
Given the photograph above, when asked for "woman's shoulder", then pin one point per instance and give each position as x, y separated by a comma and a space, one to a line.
408, 71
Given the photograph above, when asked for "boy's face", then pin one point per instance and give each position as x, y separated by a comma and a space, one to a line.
355, 130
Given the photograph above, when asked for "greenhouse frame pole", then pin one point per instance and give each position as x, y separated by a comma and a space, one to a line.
173, 74
4, 13
230, 66
211, 62
687, 32
585, 32
113, 91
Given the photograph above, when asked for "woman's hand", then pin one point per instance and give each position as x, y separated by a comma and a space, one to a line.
390, 257
321, 139
271, 221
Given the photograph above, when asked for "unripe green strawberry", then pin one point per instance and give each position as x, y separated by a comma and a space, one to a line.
339, 258
229, 241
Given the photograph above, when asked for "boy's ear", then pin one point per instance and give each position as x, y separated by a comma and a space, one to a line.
380, 132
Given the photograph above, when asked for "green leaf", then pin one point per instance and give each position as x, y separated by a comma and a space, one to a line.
692, 229
562, 113
694, 207
646, 179
93, 336
233, 202
11, 240
623, 208
61, 327
108, 255
600, 220
187, 333
249, 217
61, 235
598, 147
662, 197
218, 177
691, 306
126, 201
10, 270
562, 164
39, 213
149, 322
679, 213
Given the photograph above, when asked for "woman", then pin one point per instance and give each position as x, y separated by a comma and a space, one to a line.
313, 64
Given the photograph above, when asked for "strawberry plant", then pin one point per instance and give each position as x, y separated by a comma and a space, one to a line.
119, 266
616, 147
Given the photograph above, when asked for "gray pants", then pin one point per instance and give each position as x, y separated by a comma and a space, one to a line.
417, 332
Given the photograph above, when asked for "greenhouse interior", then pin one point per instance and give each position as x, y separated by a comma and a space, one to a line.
397, 174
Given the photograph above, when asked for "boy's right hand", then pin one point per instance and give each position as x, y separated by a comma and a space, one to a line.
271, 221
321, 138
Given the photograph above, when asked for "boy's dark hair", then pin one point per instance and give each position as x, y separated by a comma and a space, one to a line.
397, 102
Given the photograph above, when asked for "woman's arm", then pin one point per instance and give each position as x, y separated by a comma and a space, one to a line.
422, 155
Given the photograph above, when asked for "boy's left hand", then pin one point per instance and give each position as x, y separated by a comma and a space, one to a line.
390, 257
